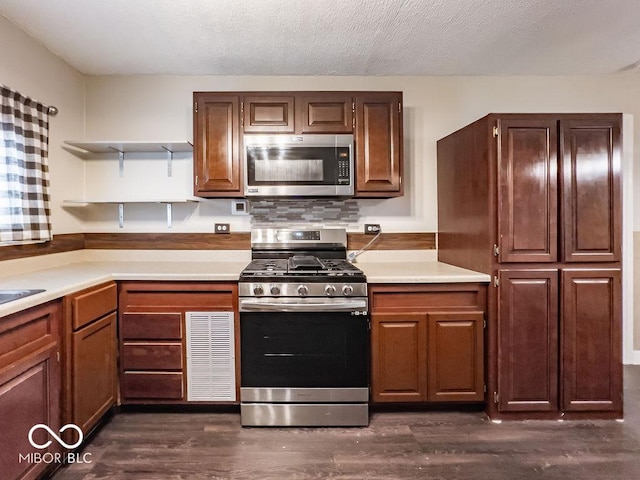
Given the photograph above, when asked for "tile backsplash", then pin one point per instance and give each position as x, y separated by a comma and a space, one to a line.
303, 212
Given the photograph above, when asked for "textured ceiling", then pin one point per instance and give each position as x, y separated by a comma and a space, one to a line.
336, 37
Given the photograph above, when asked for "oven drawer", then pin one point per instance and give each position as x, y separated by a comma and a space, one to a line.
152, 385
152, 356
304, 415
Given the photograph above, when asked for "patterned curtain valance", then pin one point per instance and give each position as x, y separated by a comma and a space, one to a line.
25, 213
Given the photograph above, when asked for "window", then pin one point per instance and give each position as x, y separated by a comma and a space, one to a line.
25, 215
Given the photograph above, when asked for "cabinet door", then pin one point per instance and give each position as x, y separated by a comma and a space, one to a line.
399, 357
528, 340
94, 371
592, 212
378, 142
456, 356
29, 395
216, 149
268, 114
592, 340
324, 113
528, 178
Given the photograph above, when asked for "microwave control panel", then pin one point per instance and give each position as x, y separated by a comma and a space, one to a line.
344, 176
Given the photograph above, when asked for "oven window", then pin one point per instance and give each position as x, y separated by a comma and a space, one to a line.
304, 350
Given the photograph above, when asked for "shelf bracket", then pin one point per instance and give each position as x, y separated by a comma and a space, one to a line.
121, 163
169, 219
169, 161
121, 215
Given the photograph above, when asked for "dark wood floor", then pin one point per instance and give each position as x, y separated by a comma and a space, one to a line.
396, 445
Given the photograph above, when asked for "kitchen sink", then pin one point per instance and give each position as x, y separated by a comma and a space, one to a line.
7, 296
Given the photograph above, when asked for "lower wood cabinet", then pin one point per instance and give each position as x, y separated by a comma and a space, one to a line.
559, 342
427, 343
90, 383
29, 388
591, 340
153, 338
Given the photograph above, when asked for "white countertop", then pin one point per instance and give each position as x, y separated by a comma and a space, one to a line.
61, 280
419, 272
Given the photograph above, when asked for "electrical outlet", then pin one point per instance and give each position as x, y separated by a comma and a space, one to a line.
372, 228
221, 228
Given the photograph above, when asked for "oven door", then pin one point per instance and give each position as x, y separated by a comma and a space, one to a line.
326, 350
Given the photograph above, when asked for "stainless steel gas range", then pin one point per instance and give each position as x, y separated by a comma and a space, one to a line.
304, 330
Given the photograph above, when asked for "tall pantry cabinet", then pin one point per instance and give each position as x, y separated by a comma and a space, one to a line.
534, 200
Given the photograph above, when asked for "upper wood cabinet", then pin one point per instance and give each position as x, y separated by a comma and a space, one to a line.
268, 114
528, 190
325, 113
374, 118
542, 159
591, 199
216, 145
379, 145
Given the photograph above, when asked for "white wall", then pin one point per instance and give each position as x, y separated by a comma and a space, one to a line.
159, 108
28, 67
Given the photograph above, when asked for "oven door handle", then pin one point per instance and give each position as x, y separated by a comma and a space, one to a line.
303, 306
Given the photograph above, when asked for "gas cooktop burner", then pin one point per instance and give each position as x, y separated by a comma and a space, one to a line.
301, 265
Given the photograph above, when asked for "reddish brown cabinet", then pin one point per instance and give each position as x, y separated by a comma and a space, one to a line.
399, 357
455, 356
591, 200
591, 339
325, 113
528, 345
29, 387
153, 340
268, 114
427, 343
216, 145
379, 145
534, 200
374, 118
90, 381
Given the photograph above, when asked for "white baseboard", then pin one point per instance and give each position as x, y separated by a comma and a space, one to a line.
635, 360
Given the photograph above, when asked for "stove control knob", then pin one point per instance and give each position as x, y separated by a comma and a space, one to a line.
275, 290
258, 290
303, 291
329, 290
347, 290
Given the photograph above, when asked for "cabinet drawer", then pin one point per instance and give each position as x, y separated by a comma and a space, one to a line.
151, 326
152, 385
93, 304
28, 331
152, 356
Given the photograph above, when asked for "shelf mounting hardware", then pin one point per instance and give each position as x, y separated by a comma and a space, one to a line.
120, 161
169, 161
121, 215
169, 215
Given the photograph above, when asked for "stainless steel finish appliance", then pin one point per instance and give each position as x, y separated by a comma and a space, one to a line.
304, 331
298, 165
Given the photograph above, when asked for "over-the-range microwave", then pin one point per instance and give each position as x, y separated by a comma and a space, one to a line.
312, 165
